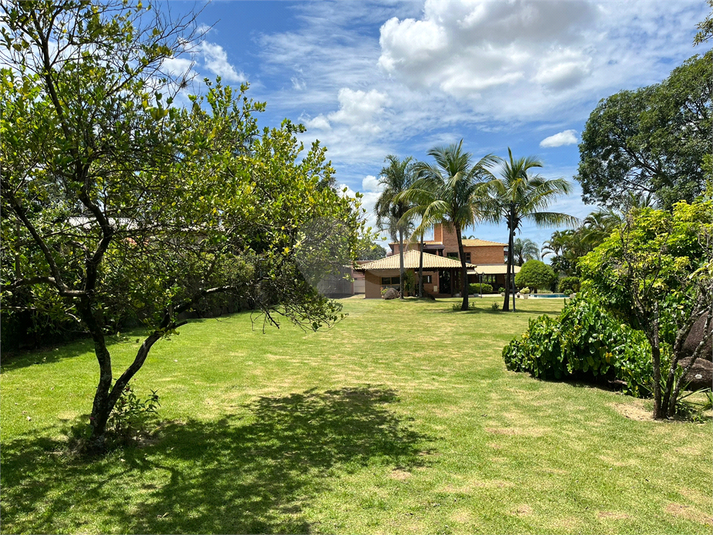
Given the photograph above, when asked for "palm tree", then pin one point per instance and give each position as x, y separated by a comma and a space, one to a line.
558, 243
396, 177
422, 195
456, 188
518, 196
525, 250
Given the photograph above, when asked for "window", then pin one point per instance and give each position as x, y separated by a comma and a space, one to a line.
467, 257
385, 280
452, 255
490, 279
427, 279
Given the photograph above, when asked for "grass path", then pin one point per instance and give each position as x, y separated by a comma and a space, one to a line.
400, 419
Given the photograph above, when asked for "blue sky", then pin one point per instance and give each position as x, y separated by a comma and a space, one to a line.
375, 78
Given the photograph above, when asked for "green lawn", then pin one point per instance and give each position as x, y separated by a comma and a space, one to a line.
400, 419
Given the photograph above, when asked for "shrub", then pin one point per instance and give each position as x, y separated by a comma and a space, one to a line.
525, 291
131, 415
501, 290
478, 288
568, 285
584, 340
535, 274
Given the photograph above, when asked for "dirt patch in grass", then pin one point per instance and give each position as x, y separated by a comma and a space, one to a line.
462, 516
689, 513
400, 475
512, 431
614, 515
633, 412
523, 510
470, 486
695, 495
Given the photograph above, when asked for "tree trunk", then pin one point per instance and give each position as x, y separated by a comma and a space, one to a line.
464, 270
660, 411
420, 269
101, 407
401, 264
508, 276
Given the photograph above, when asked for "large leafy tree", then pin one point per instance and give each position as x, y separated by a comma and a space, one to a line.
654, 140
452, 191
518, 196
396, 177
656, 273
117, 202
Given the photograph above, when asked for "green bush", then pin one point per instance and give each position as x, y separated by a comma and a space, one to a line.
131, 416
535, 275
478, 288
584, 340
568, 285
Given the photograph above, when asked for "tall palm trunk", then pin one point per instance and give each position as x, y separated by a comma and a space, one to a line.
420, 269
508, 276
464, 270
401, 264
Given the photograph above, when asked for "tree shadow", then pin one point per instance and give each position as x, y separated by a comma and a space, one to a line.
81, 345
250, 475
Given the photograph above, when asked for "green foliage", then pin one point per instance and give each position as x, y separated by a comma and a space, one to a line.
131, 416
650, 139
568, 285
494, 307
478, 288
119, 206
409, 282
535, 274
584, 340
524, 250
518, 196
655, 253
525, 290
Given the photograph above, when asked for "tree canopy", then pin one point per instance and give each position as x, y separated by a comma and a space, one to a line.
654, 140
518, 195
117, 202
655, 272
535, 274
452, 190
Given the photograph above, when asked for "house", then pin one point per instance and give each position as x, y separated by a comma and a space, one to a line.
486, 263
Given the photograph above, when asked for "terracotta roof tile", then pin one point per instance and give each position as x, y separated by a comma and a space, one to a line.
411, 261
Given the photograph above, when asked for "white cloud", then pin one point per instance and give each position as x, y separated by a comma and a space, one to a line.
215, 59
359, 110
371, 183
178, 66
568, 137
317, 123
467, 47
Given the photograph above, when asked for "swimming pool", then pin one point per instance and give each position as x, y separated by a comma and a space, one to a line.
543, 296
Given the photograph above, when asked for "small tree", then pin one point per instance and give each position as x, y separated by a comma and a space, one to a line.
656, 272
116, 201
535, 274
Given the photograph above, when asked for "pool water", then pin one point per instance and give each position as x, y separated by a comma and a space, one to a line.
539, 296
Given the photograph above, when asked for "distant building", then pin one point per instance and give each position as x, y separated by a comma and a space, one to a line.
441, 265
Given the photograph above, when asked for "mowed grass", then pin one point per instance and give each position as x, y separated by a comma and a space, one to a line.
400, 419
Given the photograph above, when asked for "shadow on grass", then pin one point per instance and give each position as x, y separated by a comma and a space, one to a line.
67, 350
253, 475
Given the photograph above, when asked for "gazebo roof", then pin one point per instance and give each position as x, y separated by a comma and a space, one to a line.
411, 261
